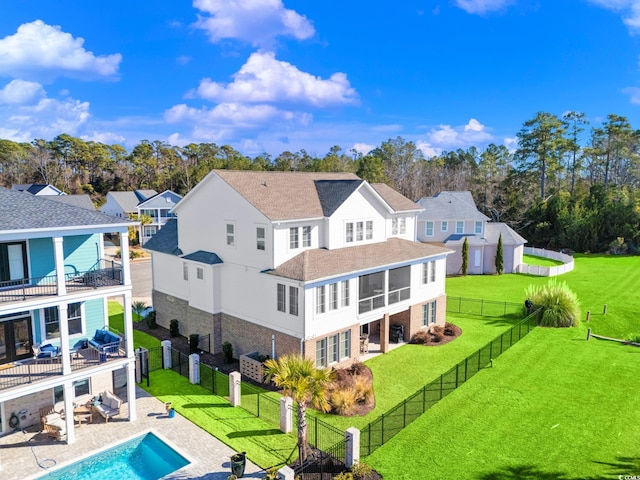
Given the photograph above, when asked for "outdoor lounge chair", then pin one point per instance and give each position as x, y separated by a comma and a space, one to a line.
45, 352
52, 423
107, 404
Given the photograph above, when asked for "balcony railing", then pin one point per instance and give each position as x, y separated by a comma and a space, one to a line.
104, 273
400, 294
371, 303
34, 370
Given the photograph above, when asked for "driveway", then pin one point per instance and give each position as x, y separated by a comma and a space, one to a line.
141, 281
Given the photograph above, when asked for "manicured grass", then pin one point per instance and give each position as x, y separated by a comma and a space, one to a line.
116, 322
264, 443
540, 261
402, 371
553, 406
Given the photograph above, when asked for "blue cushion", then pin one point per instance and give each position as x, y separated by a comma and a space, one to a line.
99, 336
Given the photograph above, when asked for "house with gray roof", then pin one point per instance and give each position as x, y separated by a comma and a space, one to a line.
451, 217
125, 204
54, 288
37, 189
158, 209
322, 264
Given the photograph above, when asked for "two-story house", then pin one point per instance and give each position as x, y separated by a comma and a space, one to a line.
159, 210
451, 217
54, 290
125, 204
283, 262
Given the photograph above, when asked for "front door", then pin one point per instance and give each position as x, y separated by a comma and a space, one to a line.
15, 339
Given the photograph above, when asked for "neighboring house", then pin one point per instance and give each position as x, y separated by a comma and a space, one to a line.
450, 217
282, 262
159, 209
54, 290
125, 204
37, 189
82, 200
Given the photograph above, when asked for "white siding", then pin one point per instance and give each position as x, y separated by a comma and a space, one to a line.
282, 250
359, 207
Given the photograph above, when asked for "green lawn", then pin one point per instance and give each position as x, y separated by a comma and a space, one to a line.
116, 322
553, 406
540, 261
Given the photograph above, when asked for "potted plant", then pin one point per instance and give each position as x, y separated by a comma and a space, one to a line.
232, 477
238, 462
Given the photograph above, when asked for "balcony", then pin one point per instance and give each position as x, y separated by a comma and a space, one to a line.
105, 273
32, 370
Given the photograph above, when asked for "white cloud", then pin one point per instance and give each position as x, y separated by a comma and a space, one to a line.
258, 22
630, 10
108, 138
44, 118
363, 148
263, 79
482, 6
511, 143
634, 94
446, 137
43, 52
20, 92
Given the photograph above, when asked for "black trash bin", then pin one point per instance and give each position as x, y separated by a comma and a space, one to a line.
396, 333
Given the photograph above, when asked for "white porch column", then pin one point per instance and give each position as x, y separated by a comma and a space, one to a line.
128, 323
124, 256
69, 395
64, 338
131, 391
58, 255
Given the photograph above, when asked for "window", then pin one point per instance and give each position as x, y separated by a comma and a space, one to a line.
459, 227
293, 237
345, 293
403, 226
359, 231
369, 226
293, 300
345, 344
399, 284
185, 271
321, 348
200, 273
320, 299
478, 228
80, 387
349, 232
429, 313
394, 226
444, 226
333, 296
429, 272
260, 243
306, 236
282, 291
333, 348
428, 229
231, 234
52, 320
74, 318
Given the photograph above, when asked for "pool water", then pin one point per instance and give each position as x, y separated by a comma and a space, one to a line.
143, 458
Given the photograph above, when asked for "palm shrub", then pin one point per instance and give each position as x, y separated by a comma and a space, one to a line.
558, 305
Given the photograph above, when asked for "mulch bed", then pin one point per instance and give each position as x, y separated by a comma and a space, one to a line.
435, 337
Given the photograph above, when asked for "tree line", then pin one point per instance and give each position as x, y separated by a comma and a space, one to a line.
567, 185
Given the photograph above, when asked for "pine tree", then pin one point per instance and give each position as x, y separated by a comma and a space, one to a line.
465, 256
499, 257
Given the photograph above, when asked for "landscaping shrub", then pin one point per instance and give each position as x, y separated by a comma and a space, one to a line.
358, 368
558, 304
448, 330
174, 328
364, 389
361, 471
343, 401
420, 337
150, 320
344, 476
227, 350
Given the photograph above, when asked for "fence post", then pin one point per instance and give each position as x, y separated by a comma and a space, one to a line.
466, 368
166, 354
286, 473
588, 334
215, 377
441, 387
457, 368
234, 388
604, 310
588, 315
352, 446
194, 368
481, 306
286, 415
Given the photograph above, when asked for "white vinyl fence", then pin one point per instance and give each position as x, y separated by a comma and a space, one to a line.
546, 271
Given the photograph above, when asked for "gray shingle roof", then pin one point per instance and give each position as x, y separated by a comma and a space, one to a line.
165, 240
333, 193
201, 256
491, 234
23, 211
322, 263
129, 201
83, 201
450, 206
395, 199
160, 200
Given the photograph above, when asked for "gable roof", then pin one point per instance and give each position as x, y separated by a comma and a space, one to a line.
333, 193
166, 199
83, 200
450, 206
22, 211
129, 201
37, 189
395, 199
201, 256
165, 240
492, 232
322, 263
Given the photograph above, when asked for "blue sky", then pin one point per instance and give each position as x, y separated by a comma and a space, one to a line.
276, 75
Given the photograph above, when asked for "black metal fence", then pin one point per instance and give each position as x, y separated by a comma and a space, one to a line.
385, 427
484, 308
214, 380
260, 404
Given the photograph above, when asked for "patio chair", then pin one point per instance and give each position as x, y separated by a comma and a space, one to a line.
45, 352
52, 423
107, 405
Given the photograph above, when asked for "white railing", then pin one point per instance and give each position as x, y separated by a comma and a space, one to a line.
567, 263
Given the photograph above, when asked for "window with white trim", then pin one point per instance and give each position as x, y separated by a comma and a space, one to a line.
52, 320
333, 348
459, 227
320, 299
428, 229
349, 232
333, 296
478, 227
394, 226
345, 293
200, 273
306, 236
260, 238
429, 313
369, 229
403, 226
293, 300
444, 226
293, 238
80, 387
282, 291
428, 272
359, 231
345, 344
231, 234
185, 270
321, 349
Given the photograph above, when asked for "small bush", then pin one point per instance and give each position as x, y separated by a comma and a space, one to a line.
361, 471
436, 338
363, 388
437, 330
449, 330
344, 476
271, 473
174, 328
227, 349
343, 401
420, 337
150, 320
559, 306
358, 368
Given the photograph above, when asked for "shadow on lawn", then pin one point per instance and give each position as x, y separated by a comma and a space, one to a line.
255, 433
623, 466
206, 405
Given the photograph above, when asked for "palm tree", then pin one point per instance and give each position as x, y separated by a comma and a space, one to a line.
305, 384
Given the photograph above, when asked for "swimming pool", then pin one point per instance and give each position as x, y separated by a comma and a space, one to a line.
143, 458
